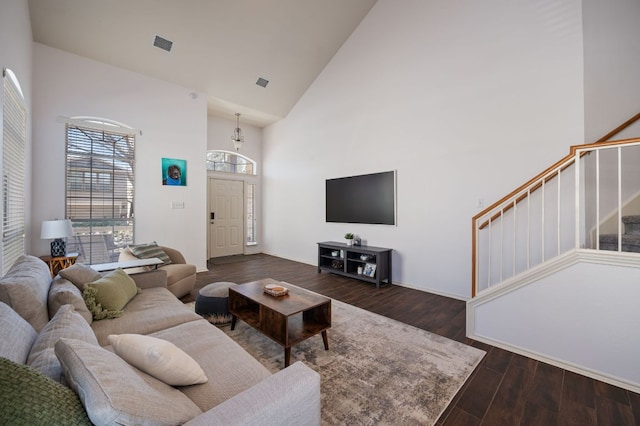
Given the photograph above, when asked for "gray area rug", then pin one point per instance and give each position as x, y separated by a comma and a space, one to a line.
377, 371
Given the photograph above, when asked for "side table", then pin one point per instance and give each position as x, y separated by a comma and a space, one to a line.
58, 263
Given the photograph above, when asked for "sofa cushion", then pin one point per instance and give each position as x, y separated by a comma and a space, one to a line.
154, 278
63, 292
79, 275
231, 369
178, 271
113, 392
29, 398
106, 296
66, 323
16, 335
149, 250
159, 358
25, 288
151, 310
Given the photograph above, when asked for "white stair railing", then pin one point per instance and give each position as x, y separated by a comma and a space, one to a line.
553, 212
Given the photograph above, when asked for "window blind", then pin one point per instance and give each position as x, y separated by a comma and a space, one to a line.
13, 169
99, 191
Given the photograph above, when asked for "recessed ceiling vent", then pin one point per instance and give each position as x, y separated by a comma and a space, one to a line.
262, 82
163, 43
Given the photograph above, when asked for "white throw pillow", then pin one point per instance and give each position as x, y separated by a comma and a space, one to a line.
159, 358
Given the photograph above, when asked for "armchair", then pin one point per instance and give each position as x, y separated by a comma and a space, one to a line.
181, 276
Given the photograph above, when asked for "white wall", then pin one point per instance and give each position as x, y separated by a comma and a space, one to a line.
173, 125
466, 100
16, 54
590, 324
612, 65
219, 131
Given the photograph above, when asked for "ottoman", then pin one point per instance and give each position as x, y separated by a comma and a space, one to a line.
212, 302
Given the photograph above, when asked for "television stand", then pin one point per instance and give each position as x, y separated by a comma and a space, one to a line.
342, 259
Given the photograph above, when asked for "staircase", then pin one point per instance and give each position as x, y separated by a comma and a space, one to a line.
554, 272
630, 238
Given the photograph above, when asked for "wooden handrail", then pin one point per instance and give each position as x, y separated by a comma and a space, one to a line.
539, 177
620, 128
600, 142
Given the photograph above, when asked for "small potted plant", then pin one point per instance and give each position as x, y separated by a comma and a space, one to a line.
349, 237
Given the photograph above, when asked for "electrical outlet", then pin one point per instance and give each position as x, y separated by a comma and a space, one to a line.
177, 204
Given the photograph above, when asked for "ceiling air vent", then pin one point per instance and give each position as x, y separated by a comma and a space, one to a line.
163, 43
262, 82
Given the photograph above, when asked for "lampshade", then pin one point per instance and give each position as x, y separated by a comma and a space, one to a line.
56, 229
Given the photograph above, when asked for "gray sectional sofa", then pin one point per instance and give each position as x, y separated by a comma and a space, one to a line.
45, 325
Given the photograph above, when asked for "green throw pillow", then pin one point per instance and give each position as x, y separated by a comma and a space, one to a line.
147, 251
29, 398
106, 296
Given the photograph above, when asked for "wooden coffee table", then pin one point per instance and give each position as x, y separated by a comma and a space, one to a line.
287, 320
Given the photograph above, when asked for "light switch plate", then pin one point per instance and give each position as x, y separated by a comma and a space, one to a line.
177, 204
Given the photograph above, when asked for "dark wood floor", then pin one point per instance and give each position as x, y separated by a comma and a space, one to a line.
505, 389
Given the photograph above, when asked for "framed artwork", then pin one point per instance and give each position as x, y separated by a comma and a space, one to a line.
369, 270
174, 172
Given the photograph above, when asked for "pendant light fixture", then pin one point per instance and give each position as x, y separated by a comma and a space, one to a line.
237, 137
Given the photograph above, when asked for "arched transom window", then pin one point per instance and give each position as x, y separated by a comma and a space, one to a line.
231, 162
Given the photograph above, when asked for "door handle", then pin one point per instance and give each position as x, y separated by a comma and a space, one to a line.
212, 216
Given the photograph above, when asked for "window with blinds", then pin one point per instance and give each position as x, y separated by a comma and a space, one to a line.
14, 119
99, 191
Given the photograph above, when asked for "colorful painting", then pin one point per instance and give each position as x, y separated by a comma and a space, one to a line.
174, 172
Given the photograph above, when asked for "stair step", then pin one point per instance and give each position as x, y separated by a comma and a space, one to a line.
631, 224
629, 242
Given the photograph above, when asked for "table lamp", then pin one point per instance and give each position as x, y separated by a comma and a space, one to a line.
57, 229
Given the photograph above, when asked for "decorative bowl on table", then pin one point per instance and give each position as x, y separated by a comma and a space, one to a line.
275, 290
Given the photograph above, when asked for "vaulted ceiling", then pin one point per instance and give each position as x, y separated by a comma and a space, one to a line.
220, 47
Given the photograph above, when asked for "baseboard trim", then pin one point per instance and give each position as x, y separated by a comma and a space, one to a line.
535, 274
426, 290
433, 291
597, 375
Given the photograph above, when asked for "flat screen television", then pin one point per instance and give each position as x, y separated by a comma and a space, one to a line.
362, 199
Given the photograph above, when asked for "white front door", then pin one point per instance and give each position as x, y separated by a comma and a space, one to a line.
226, 217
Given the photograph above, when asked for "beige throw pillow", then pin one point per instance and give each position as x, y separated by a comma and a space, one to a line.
61, 293
66, 323
25, 288
16, 335
113, 392
79, 275
159, 358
